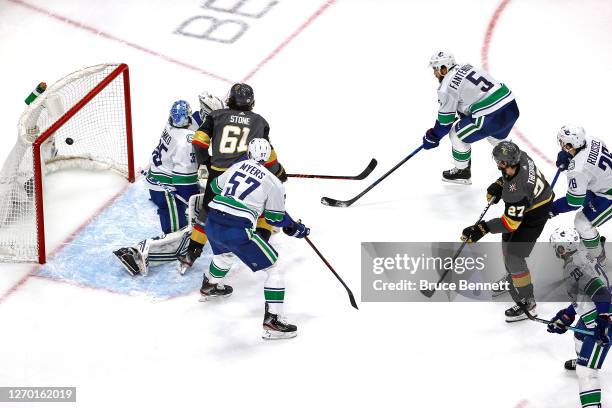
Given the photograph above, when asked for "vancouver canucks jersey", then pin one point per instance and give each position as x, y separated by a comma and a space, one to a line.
173, 161
247, 189
226, 133
584, 278
524, 196
467, 90
589, 170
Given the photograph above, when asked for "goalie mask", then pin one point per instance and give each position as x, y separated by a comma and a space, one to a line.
180, 114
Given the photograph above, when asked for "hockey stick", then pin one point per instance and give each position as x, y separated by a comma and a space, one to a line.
350, 294
555, 179
365, 173
166, 188
429, 292
544, 321
340, 203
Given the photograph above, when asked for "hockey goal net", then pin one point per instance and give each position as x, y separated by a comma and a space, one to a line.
81, 121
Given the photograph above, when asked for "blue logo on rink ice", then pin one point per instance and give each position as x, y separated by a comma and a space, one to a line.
88, 259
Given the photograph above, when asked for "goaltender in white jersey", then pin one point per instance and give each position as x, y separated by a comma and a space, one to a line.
173, 183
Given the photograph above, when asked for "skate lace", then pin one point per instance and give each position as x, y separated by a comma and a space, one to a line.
454, 170
282, 320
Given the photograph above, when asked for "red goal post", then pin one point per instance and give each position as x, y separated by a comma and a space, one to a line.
81, 121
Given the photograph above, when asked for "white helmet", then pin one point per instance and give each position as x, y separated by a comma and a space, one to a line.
209, 103
573, 135
564, 240
259, 149
442, 58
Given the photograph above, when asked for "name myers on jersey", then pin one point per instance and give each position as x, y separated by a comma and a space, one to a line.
249, 168
594, 152
459, 76
240, 120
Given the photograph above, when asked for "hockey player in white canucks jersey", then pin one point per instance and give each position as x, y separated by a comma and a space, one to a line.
173, 164
244, 192
473, 106
589, 184
172, 180
588, 287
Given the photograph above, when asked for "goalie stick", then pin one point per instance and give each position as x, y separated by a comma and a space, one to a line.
430, 292
365, 173
340, 203
544, 321
350, 293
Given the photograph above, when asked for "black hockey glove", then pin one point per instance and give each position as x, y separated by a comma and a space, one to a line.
602, 327
562, 319
495, 191
474, 233
281, 174
563, 160
430, 141
297, 230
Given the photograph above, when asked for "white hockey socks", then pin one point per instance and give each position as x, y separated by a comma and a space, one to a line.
274, 289
590, 388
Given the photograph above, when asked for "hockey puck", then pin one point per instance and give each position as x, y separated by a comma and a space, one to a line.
69, 141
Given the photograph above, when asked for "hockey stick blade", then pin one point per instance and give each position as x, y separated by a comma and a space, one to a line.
332, 202
365, 173
348, 290
339, 203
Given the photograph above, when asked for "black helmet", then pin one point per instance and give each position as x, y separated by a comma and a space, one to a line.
507, 152
241, 96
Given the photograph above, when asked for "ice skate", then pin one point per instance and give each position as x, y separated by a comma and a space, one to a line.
457, 176
130, 259
516, 314
275, 327
214, 290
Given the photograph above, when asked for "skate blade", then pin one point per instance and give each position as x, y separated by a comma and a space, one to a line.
125, 265
275, 335
521, 317
462, 182
212, 297
181, 269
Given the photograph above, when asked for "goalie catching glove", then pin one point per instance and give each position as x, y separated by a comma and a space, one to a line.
474, 233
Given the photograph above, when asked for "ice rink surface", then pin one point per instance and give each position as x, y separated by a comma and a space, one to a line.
340, 82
